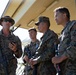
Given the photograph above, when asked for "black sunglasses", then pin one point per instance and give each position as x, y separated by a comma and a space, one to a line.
9, 20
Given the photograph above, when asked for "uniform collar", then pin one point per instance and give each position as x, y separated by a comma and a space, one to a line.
34, 42
1, 33
46, 33
67, 24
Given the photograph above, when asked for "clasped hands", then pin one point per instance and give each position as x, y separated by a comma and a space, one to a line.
31, 61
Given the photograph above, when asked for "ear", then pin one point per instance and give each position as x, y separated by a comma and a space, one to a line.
64, 15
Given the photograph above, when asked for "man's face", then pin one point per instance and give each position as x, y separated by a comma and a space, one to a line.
59, 17
41, 26
6, 24
32, 34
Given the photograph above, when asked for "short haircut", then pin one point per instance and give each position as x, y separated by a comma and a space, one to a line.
32, 29
63, 10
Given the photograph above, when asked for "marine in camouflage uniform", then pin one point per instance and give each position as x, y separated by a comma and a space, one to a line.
67, 46
30, 49
8, 64
46, 48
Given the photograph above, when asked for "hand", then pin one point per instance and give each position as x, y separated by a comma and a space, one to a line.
26, 58
55, 65
32, 62
56, 60
13, 47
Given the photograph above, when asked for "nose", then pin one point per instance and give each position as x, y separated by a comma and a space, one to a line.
8, 23
55, 18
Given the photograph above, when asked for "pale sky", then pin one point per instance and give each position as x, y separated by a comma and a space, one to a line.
3, 4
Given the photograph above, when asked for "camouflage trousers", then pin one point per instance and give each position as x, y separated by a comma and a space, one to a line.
28, 70
6, 71
71, 72
9, 69
31, 71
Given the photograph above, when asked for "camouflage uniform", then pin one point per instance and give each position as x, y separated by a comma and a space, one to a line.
8, 55
67, 47
32, 48
45, 52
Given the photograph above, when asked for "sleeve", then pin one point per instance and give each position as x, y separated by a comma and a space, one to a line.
49, 51
71, 50
18, 53
25, 51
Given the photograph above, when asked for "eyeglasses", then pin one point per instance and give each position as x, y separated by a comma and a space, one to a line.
9, 20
